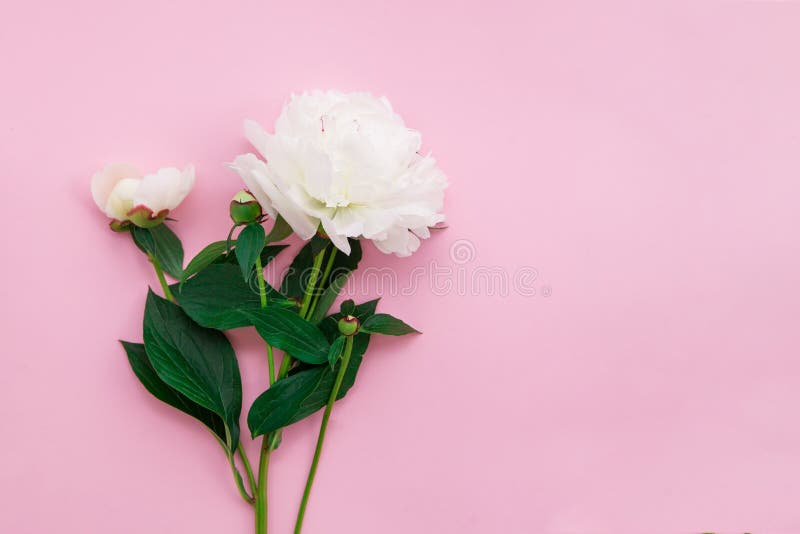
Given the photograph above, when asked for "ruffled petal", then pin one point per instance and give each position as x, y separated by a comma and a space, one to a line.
339, 241
121, 199
103, 181
165, 189
255, 172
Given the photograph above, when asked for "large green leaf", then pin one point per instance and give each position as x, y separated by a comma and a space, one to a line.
163, 244
216, 252
147, 375
204, 258
297, 276
287, 331
215, 297
249, 245
195, 361
302, 393
383, 323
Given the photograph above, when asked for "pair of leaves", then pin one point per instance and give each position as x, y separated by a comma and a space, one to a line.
216, 296
162, 244
217, 252
308, 387
198, 363
302, 393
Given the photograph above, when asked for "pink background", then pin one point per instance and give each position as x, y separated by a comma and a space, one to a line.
643, 158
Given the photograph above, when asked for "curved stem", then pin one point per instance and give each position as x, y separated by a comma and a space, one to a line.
348, 348
237, 477
251, 480
163, 281
312, 283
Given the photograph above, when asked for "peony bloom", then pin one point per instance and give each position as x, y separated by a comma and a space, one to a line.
346, 162
124, 194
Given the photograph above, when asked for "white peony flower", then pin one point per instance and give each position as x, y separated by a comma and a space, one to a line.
349, 163
124, 194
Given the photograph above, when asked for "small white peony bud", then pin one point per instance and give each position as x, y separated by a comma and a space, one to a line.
123, 194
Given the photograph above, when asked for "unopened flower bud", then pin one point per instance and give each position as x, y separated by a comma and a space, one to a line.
349, 325
245, 208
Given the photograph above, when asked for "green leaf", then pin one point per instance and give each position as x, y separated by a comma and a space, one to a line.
195, 361
302, 393
144, 371
326, 300
347, 307
280, 230
383, 323
163, 244
215, 297
297, 276
267, 255
287, 331
335, 350
249, 245
204, 258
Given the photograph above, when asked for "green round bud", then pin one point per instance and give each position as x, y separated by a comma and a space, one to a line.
349, 325
245, 208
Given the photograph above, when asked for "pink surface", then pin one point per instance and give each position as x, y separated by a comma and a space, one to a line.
644, 160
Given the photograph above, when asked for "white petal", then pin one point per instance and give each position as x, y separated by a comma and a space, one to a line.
400, 242
120, 200
103, 181
243, 165
349, 162
338, 240
165, 189
253, 170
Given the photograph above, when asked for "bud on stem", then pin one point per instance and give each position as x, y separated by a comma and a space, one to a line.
349, 325
244, 208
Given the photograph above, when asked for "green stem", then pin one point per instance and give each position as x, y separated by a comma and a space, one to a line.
348, 348
251, 480
322, 281
312, 283
262, 292
163, 281
237, 477
263, 462
261, 495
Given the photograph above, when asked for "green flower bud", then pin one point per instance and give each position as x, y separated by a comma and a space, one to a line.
349, 325
245, 208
